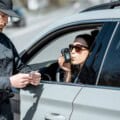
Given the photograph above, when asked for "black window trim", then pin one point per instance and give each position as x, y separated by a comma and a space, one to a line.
52, 35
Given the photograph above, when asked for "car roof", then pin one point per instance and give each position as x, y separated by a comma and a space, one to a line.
110, 14
95, 15
108, 5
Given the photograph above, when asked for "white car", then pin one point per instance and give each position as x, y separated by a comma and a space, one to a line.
56, 100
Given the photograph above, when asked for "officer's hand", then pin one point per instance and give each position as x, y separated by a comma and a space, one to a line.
20, 80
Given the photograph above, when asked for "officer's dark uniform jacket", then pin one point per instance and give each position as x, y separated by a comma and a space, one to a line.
10, 64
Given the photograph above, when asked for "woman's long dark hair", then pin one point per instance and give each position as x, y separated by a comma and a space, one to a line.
89, 39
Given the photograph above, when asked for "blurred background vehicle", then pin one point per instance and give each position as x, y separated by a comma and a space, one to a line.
18, 22
32, 7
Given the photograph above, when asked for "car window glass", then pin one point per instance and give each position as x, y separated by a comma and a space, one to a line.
91, 68
110, 74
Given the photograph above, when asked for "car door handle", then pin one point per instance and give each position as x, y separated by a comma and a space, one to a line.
54, 116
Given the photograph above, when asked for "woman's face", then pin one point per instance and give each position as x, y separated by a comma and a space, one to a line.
79, 51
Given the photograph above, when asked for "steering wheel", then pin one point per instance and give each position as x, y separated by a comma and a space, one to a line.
46, 76
52, 73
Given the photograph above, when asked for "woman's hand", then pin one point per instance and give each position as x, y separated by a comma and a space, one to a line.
65, 66
36, 77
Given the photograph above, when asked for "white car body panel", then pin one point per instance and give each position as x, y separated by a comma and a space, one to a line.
87, 16
97, 104
49, 101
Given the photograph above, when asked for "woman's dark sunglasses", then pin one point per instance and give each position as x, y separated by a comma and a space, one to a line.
77, 47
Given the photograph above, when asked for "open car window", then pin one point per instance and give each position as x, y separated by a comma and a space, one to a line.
47, 56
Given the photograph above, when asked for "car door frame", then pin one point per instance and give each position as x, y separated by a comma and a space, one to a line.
30, 88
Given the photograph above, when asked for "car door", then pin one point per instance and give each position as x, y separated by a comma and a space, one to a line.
48, 101
53, 100
101, 101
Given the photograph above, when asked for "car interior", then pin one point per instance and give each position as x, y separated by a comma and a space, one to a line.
48, 66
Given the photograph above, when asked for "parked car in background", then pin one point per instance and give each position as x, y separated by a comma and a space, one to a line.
18, 22
56, 100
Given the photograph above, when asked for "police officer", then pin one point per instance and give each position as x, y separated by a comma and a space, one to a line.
10, 65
